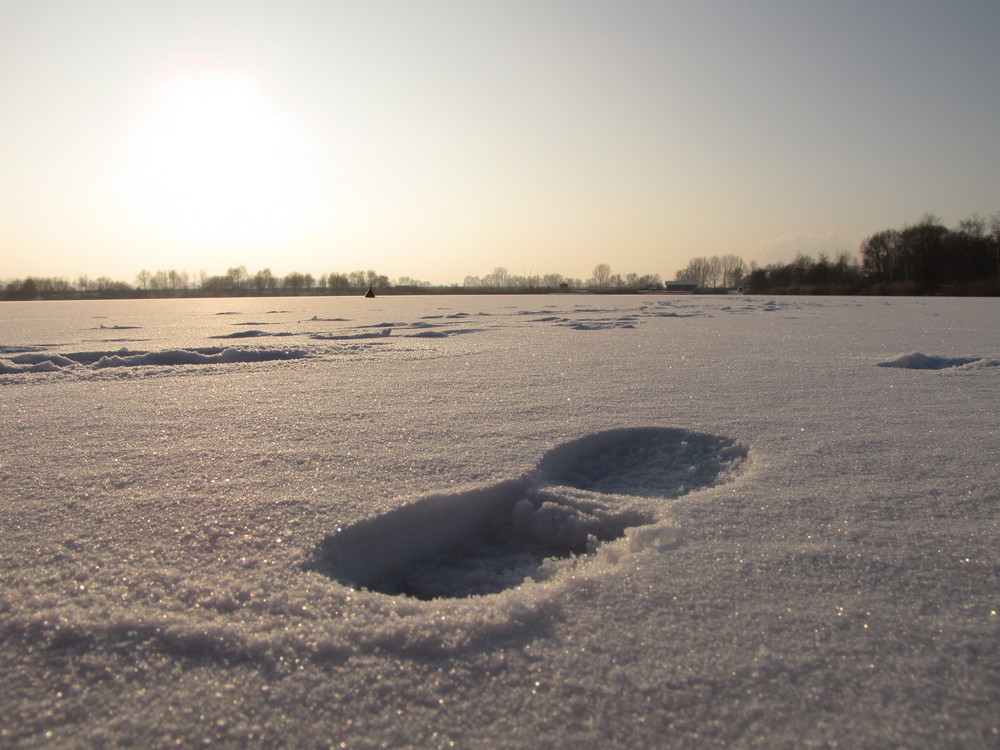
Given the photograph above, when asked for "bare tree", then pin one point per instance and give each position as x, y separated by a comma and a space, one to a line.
377, 280
178, 280
552, 280
263, 280
697, 270
338, 282
499, 278
237, 277
880, 255
294, 282
602, 275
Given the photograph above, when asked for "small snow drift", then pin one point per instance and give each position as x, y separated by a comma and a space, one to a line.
442, 334
486, 540
51, 362
250, 334
203, 356
919, 361
381, 334
599, 325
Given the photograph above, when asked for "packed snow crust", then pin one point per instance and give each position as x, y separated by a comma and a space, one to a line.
622, 521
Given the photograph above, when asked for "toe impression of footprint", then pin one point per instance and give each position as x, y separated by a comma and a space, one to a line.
484, 540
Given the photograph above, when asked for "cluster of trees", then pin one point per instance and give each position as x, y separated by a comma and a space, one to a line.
603, 279
237, 281
922, 258
805, 275
60, 288
717, 272
928, 257
500, 279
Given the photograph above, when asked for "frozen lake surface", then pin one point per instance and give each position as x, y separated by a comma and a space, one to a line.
551, 521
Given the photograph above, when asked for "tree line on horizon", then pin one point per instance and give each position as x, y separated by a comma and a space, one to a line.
237, 281
922, 258
603, 279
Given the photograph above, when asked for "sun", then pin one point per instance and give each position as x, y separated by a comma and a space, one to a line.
210, 159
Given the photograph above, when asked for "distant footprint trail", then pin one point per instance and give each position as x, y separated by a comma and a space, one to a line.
486, 540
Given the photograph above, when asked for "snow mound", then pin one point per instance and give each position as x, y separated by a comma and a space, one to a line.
441, 334
486, 540
600, 325
170, 357
251, 334
919, 361
381, 334
51, 362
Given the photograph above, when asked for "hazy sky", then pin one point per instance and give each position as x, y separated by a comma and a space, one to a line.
441, 138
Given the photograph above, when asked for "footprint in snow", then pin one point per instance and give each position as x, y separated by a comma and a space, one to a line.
486, 540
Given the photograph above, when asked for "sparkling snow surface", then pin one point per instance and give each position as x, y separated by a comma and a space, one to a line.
553, 521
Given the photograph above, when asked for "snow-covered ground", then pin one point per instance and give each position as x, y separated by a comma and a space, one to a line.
552, 521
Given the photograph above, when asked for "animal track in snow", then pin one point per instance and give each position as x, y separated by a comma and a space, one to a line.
485, 540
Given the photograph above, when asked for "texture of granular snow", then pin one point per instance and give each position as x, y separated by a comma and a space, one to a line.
618, 522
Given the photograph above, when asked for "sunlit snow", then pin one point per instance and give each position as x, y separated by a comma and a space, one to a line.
546, 521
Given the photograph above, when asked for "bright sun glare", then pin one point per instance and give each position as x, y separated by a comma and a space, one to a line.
212, 160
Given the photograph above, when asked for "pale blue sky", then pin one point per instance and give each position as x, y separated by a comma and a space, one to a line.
439, 139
